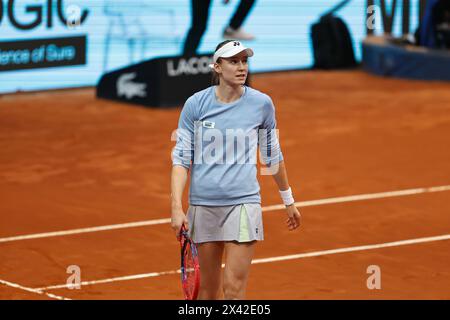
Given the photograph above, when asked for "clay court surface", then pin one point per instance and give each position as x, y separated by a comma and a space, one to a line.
70, 161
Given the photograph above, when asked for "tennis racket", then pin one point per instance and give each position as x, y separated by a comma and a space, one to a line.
190, 268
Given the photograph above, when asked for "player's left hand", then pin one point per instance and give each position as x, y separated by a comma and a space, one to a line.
294, 217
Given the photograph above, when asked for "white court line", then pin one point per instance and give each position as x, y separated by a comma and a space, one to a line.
37, 291
124, 278
86, 230
360, 197
267, 208
268, 260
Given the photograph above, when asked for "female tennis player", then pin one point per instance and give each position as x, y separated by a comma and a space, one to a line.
218, 134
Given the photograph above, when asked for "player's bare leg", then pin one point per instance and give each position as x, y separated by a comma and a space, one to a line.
237, 266
210, 259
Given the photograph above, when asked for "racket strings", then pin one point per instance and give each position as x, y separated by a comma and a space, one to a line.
189, 269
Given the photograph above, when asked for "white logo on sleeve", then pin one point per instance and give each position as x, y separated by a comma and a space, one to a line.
130, 89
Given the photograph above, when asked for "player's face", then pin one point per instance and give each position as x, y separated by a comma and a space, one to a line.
234, 70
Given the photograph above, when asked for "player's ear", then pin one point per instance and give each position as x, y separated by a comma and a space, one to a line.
217, 68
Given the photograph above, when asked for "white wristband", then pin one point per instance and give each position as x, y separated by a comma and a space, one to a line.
287, 197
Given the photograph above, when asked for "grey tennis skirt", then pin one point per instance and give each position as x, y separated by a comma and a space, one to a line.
241, 223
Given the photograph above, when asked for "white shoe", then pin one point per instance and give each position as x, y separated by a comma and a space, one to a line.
237, 34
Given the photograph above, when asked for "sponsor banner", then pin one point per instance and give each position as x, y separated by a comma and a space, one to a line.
42, 53
120, 33
165, 81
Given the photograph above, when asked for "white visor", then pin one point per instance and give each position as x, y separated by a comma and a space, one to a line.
230, 49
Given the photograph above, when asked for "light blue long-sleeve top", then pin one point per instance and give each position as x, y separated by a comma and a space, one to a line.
218, 142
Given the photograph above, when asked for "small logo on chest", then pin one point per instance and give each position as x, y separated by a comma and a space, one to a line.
209, 124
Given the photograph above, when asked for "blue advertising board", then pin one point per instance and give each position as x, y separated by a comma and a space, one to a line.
47, 44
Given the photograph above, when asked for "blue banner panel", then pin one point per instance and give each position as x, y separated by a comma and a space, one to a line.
42, 53
120, 33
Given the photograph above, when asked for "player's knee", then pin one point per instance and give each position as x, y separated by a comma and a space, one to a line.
234, 288
209, 288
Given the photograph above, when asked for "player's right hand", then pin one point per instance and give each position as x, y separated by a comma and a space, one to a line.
178, 219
